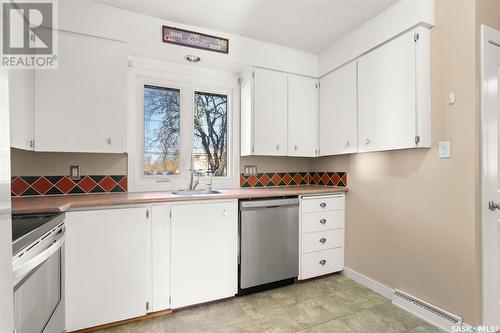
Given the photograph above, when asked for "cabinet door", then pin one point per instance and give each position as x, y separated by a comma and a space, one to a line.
160, 251
107, 266
204, 252
270, 113
387, 90
81, 106
338, 111
21, 99
303, 100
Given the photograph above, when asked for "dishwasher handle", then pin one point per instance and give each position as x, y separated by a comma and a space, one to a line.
273, 203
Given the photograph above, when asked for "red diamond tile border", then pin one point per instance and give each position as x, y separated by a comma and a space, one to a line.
330, 178
63, 185
18, 186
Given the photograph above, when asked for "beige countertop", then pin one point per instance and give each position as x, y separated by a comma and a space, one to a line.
49, 204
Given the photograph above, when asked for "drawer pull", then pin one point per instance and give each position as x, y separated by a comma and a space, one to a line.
322, 205
322, 262
322, 221
322, 240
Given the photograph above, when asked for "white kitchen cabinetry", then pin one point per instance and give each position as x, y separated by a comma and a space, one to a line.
268, 109
204, 252
321, 235
107, 266
81, 106
393, 94
160, 257
278, 114
303, 107
21, 103
338, 111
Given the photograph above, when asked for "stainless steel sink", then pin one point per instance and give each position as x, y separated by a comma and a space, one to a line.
195, 192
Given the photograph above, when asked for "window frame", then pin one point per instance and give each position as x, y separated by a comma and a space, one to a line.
188, 80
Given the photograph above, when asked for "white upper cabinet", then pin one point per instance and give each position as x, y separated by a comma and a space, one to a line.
269, 113
303, 103
279, 114
393, 102
81, 106
338, 111
21, 103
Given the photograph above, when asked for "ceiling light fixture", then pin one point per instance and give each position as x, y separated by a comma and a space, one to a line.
192, 58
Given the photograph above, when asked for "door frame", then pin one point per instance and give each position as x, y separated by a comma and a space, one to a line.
488, 35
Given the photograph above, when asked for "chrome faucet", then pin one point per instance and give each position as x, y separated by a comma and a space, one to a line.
192, 182
211, 187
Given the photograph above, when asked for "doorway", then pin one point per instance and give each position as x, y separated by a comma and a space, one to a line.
490, 122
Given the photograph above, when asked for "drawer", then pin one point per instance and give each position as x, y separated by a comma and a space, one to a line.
313, 222
322, 203
322, 240
322, 262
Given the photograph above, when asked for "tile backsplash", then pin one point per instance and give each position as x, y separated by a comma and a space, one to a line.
60, 185
333, 178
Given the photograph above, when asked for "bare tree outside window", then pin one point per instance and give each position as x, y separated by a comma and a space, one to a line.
210, 134
161, 131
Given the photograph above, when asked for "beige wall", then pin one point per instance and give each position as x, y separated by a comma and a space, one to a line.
27, 163
275, 164
411, 217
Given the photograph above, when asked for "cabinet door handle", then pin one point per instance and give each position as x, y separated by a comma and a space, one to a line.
225, 213
322, 205
322, 240
277, 147
322, 262
322, 221
295, 147
367, 141
347, 143
108, 141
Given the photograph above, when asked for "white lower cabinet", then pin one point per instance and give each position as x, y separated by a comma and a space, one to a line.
321, 235
204, 252
107, 266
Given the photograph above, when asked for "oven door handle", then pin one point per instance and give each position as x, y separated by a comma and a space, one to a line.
23, 269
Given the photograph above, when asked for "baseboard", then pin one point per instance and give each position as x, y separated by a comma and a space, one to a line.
124, 322
389, 294
371, 284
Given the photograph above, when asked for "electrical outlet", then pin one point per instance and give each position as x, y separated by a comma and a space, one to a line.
250, 170
74, 172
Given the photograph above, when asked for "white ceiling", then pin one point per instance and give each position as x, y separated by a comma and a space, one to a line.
309, 25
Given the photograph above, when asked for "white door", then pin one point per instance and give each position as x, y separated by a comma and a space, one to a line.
387, 96
338, 111
81, 106
303, 100
490, 112
270, 113
107, 266
204, 252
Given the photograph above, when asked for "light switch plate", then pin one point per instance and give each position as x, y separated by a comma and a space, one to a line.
250, 170
444, 149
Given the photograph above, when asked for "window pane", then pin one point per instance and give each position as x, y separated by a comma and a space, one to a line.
161, 131
210, 134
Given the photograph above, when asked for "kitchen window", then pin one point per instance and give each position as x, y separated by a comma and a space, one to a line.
161, 131
210, 134
183, 121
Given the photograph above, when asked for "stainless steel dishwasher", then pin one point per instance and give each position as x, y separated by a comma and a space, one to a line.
269, 243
